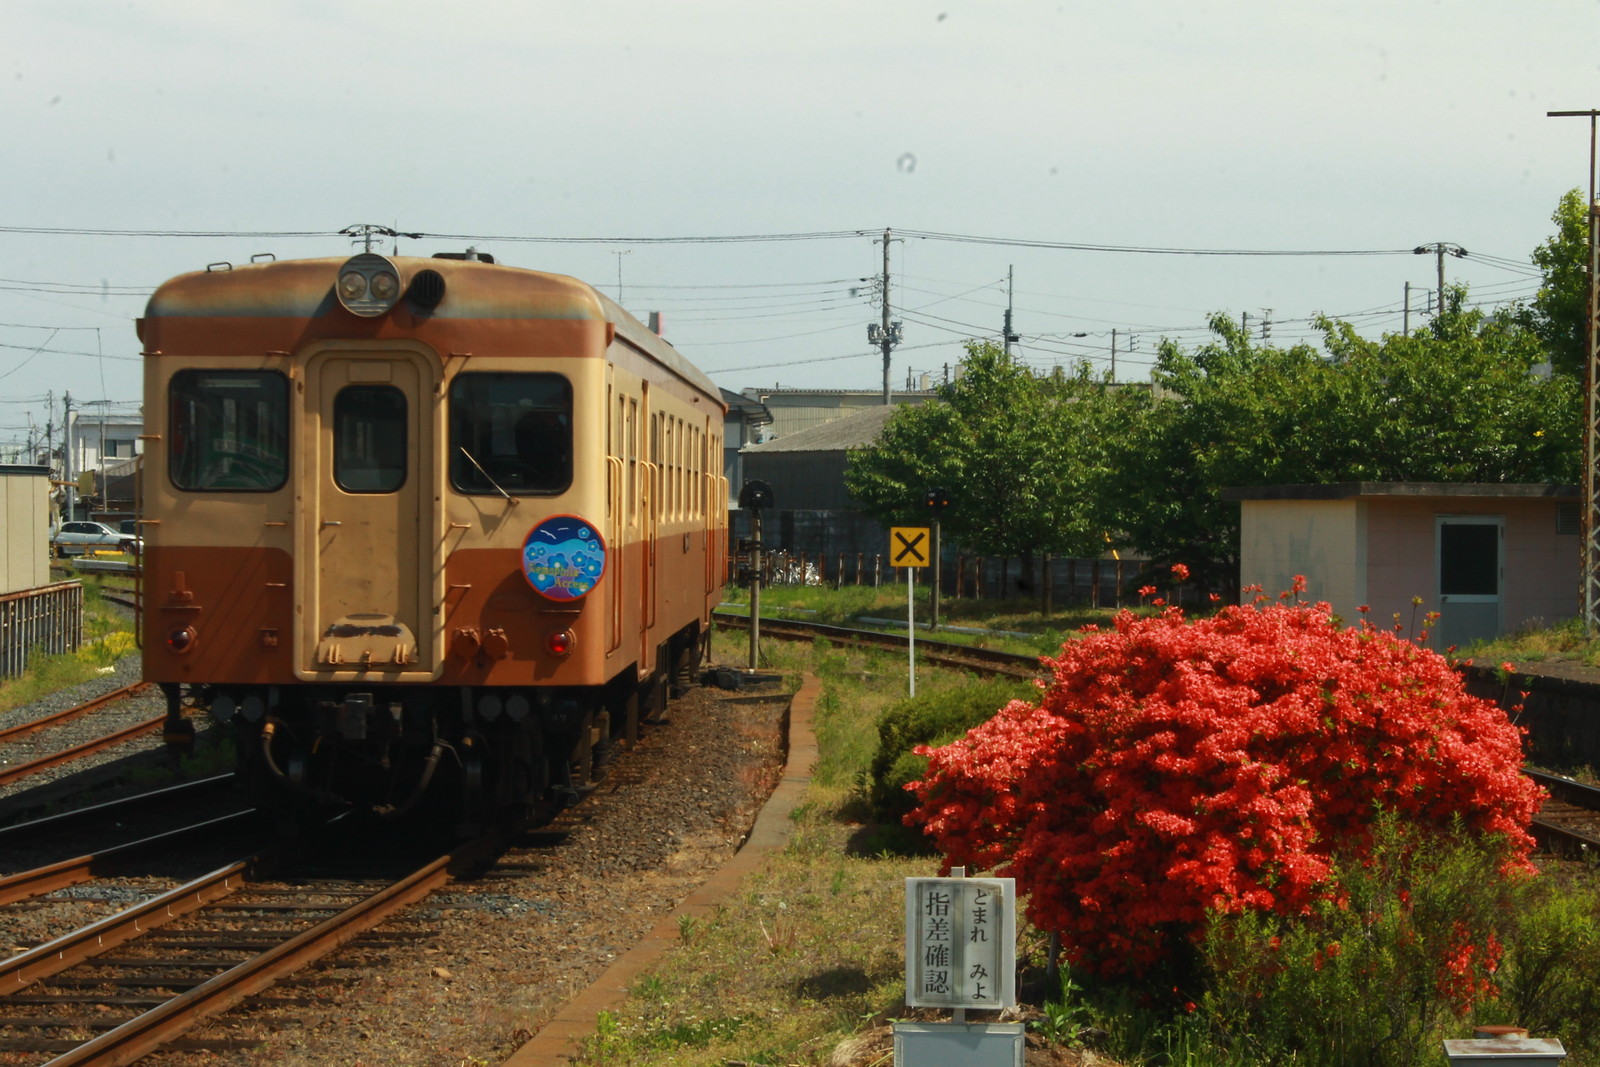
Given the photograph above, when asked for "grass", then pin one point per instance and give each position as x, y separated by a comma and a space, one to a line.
810, 951
1566, 642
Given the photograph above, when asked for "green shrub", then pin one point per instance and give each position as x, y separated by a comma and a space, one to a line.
1379, 976
1547, 981
935, 718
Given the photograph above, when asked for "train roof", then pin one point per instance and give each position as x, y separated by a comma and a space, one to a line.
474, 289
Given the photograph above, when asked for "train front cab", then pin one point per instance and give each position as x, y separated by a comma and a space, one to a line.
341, 562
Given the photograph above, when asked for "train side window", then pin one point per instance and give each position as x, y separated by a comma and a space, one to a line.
369, 439
511, 433
229, 431
630, 439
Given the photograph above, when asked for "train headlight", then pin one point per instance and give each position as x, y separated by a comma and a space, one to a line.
560, 643
368, 285
182, 639
385, 286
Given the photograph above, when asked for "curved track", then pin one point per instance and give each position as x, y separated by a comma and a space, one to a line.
982, 661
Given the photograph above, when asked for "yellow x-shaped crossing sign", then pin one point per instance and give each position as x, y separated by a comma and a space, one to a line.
909, 546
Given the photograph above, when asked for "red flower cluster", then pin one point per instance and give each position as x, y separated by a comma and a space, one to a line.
1175, 766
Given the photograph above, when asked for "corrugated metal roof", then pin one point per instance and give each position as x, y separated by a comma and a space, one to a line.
850, 431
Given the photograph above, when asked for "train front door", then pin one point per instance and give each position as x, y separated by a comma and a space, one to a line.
365, 566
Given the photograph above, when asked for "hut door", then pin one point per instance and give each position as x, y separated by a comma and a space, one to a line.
1469, 565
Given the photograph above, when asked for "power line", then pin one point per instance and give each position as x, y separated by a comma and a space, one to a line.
744, 238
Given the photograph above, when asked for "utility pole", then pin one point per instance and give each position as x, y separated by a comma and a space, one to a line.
1008, 334
888, 334
1405, 320
66, 457
1113, 355
1589, 599
1439, 248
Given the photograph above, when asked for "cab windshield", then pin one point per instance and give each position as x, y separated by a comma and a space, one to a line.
510, 433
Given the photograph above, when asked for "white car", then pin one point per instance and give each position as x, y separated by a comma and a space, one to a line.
77, 537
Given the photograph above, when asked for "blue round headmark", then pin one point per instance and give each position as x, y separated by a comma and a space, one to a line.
563, 557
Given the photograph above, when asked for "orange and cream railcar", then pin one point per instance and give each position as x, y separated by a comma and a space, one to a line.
427, 532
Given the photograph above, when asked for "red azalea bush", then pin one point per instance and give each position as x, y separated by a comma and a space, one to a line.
1176, 767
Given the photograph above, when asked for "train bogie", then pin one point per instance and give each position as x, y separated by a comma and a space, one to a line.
426, 532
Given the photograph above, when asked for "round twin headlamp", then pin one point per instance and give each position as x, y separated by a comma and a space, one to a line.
368, 285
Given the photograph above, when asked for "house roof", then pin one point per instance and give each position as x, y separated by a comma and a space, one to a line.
1353, 490
836, 435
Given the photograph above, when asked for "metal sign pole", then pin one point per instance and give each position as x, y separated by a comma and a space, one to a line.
911, 625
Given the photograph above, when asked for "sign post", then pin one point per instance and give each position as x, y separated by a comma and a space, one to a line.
908, 548
961, 952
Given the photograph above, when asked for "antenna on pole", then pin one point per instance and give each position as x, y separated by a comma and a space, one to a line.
367, 233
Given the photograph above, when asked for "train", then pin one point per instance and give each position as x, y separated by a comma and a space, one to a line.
427, 533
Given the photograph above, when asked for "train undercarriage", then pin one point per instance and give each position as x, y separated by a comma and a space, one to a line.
473, 754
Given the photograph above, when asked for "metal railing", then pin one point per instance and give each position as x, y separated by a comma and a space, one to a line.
1093, 582
48, 619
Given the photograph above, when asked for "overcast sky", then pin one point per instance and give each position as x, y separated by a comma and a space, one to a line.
618, 140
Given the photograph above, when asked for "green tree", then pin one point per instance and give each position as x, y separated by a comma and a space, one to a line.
1458, 402
1020, 454
1461, 402
1558, 314
1227, 414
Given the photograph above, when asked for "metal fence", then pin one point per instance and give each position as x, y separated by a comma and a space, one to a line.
1095, 582
48, 619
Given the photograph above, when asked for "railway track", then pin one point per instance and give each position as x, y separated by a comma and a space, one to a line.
229, 958
21, 761
120, 988
119, 985
54, 852
983, 661
1569, 822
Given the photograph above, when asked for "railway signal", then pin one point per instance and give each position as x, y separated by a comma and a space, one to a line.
754, 496
936, 500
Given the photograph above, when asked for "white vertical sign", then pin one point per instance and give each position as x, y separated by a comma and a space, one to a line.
961, 943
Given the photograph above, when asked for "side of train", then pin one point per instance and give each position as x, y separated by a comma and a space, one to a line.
428, 532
